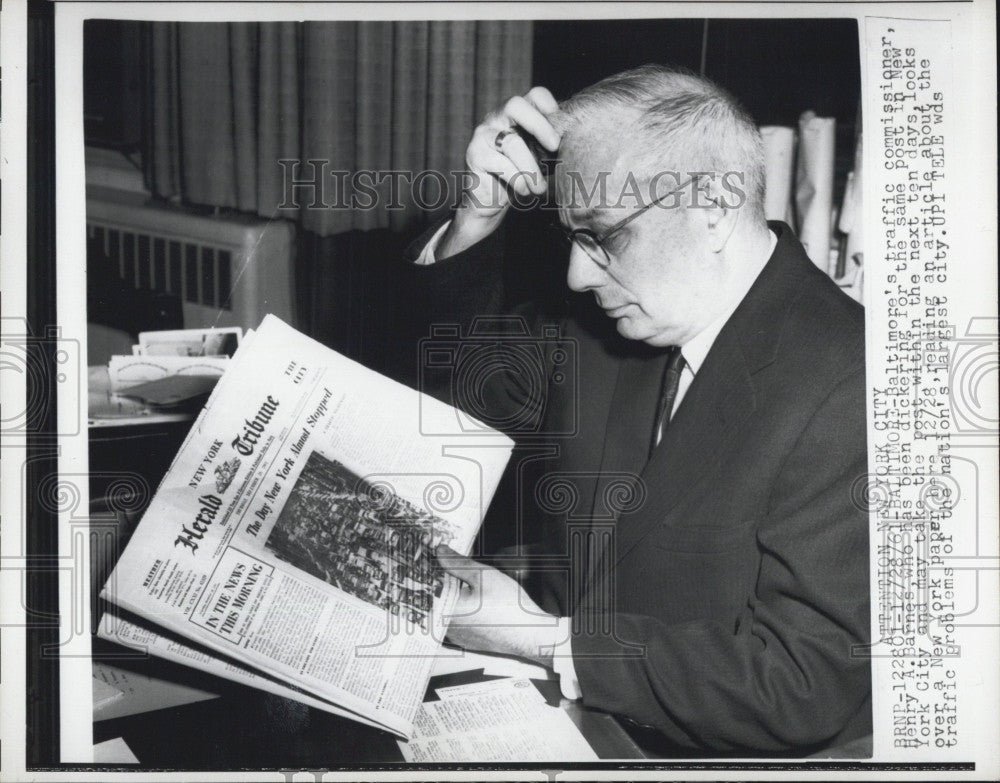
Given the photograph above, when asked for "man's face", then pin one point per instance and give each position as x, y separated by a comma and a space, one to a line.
660, 280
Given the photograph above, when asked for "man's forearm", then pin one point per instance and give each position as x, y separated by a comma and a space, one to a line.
463, 232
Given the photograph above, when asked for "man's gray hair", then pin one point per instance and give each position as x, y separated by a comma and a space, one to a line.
676, 121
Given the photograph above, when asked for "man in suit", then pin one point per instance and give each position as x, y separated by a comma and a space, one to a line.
721, 606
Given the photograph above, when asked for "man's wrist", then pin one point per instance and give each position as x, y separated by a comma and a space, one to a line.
539, 641
428, 254
562, 662
464, 231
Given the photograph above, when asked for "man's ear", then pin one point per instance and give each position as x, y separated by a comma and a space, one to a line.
720, 213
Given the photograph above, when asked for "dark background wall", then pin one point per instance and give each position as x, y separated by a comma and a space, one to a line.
347, 283
777, 67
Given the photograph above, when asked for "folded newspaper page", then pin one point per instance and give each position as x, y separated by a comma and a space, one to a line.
124, 631
294, 533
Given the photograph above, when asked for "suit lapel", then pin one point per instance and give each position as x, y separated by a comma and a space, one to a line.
622, 388
721, 395
633, 410
719, 398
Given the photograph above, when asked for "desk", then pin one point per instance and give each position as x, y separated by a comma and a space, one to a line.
247, 728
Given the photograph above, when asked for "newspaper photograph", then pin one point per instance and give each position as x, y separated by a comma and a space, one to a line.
519, 390
262, 545
379, 547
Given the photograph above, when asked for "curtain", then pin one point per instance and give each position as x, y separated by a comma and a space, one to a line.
230, 102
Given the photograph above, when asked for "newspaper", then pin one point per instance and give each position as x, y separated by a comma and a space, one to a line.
500, 720
124, 631
296, 527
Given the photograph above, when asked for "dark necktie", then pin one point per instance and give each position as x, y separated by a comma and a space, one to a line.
671, 380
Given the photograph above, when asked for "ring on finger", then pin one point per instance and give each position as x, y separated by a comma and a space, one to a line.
498, 141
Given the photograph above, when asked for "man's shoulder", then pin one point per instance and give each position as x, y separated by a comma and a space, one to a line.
828, 325
821, 324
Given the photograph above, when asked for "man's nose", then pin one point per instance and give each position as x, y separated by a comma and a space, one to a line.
584, 274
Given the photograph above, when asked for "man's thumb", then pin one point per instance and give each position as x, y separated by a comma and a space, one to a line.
463, 568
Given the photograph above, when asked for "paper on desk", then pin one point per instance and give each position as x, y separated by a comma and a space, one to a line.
104, 693
814, 186
779, 155
128, 371
103, 403
173, 390
140, 693
114, 751
502, 720
450, 661
215, 341
851, 223
484, 687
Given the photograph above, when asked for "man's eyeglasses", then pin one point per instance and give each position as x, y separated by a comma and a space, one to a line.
593, 243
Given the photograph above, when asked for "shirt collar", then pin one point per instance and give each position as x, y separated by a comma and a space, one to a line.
696, 349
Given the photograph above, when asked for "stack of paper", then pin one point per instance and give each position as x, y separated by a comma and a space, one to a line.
499, 720
119, 692
166, 369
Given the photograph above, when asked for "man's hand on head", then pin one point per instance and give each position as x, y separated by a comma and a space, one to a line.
498, 158
495, 615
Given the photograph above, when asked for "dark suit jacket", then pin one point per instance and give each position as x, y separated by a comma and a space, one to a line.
723, 603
